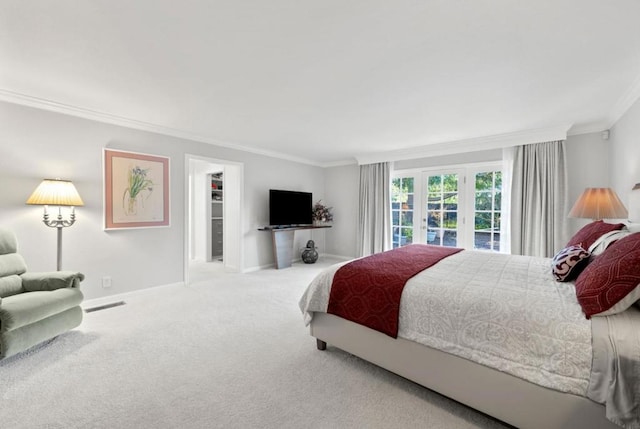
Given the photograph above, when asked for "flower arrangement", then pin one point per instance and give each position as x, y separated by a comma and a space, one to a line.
321, 213
138, 183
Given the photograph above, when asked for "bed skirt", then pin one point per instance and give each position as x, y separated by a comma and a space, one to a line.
498, 394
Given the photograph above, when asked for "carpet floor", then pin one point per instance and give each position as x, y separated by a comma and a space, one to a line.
228, 351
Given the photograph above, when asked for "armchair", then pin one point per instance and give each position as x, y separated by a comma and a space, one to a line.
34, 307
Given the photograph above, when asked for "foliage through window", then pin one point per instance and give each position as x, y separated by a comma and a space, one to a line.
488, 198
442, 210
457, 207
402, 200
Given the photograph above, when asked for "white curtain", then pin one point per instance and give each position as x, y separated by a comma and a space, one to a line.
374, 211
539, 199
508, 156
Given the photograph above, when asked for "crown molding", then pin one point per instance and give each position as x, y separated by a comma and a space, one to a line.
497, 141
624, 103
592, 127
94, 115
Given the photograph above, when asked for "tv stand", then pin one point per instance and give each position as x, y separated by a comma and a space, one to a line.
282, 238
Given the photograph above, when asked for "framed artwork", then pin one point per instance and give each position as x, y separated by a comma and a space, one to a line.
136, 190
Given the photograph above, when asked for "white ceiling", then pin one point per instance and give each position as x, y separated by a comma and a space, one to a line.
327, 81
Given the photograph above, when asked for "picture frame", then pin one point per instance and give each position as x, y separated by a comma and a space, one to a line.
136, 190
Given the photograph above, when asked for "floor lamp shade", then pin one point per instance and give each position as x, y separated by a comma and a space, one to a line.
599, 203
56, 192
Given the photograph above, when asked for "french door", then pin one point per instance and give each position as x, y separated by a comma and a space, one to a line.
454, 207
442, 208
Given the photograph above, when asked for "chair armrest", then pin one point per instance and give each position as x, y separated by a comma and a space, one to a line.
53, 280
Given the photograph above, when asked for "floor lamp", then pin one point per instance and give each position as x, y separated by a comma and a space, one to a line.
56, 192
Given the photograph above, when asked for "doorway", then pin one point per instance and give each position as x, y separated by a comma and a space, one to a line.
201, 207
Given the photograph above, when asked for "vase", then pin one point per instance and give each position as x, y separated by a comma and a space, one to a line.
132, 207
310, 254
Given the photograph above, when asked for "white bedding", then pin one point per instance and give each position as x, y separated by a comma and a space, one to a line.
504, 311
615, 374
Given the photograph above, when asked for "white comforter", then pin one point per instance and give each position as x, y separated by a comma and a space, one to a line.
503, 311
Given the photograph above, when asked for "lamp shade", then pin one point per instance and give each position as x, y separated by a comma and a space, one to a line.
599, 203
56, 192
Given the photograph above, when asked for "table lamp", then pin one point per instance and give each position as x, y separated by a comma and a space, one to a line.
598, 204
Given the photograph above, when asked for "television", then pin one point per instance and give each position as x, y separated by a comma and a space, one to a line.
289, 208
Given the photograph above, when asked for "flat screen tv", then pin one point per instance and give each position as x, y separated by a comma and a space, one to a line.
289, 208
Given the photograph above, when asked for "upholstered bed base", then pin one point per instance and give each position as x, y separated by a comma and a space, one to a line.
498, 394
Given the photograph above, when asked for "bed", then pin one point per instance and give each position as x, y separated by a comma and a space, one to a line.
500, 334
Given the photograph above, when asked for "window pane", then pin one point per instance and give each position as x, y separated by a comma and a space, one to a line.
408, 205
408, 184
395, 217
483, 221
498, 200
496, 242
482, 240
407, 218
450, 220
498, 184
407, 236
450, 182
451, 198
484, 181
434, 198
450, 239
435, 183
434, 220
434, 206
483, 200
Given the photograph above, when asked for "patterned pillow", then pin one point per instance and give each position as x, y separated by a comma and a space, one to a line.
569, 262
611, 283
588, 234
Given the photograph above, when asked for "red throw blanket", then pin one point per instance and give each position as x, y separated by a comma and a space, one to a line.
367, 291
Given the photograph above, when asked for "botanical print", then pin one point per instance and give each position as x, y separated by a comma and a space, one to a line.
138, 185
136, 190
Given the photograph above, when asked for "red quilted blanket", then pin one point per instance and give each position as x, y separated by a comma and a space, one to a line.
367, 291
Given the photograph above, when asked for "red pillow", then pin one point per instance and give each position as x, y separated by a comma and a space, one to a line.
611, 283
588, 234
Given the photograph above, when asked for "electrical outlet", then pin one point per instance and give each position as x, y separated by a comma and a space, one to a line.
106, 282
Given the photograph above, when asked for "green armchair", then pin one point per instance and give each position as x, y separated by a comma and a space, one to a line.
34, 307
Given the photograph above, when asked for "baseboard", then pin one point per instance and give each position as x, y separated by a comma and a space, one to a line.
270, 266
341, 257
104, 300
257, 268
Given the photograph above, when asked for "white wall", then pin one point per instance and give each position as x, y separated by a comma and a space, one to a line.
587, 167
625, 156
37, 144
342, 188
459, 158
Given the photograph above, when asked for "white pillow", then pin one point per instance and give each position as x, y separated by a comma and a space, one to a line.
633, 227
601, 244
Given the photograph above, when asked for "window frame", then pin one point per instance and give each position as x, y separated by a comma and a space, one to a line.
466, 197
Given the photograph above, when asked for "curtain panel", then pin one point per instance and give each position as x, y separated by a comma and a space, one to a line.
539, 199
374, 210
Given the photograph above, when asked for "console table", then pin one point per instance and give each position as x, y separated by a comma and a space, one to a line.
283, 242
